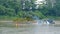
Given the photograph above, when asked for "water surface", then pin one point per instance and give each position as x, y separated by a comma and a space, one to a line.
30, 29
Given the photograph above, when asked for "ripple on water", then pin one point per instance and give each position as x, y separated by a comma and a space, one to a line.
31, 29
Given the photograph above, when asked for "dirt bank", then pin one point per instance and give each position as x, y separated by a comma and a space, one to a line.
57, 22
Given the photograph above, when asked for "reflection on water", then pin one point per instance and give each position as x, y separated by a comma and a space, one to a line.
30, 29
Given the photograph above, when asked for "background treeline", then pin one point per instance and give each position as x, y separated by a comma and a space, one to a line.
27, 8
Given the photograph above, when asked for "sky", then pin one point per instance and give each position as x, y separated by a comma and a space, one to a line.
38, 1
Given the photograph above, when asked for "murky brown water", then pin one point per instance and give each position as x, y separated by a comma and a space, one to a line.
30, 29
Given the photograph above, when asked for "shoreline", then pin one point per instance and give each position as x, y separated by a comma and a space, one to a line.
56, 21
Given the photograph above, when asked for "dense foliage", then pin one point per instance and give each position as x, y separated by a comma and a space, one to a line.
17, 9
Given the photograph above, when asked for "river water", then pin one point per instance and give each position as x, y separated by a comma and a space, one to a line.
30, 29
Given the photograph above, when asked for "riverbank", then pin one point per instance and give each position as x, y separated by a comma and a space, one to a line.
10, 21
57, 21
